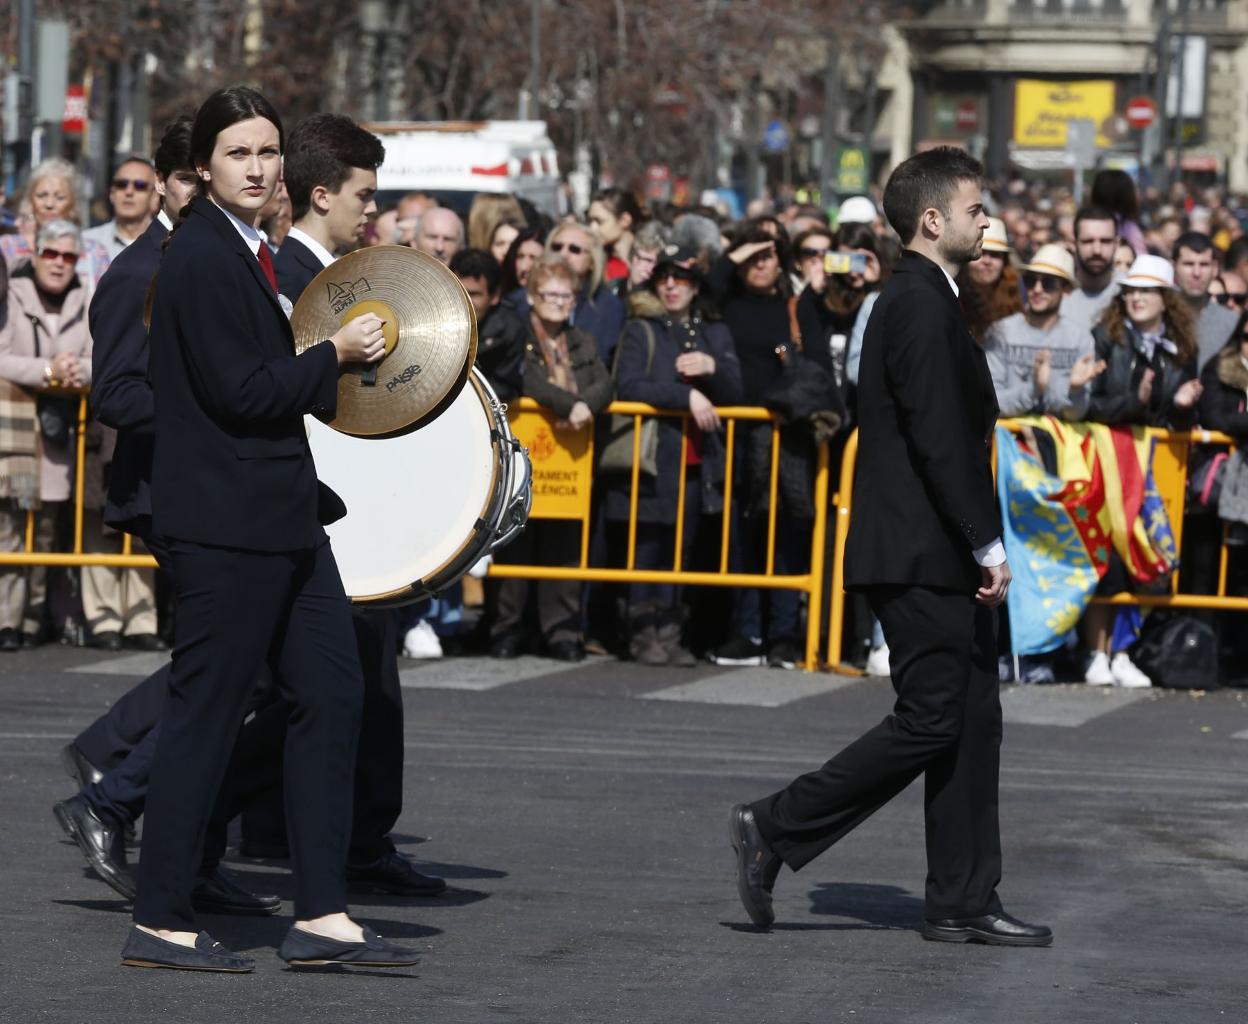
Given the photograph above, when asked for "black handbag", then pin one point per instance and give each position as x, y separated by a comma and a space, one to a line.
805, 390
57, 413
1177, 652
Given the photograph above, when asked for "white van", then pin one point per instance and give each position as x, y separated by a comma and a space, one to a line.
454, 160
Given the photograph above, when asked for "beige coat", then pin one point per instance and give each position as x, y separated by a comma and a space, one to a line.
23, 363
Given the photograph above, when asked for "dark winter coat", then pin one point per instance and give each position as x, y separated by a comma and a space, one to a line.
1115, 393
1222, 404
664, 388
593, 381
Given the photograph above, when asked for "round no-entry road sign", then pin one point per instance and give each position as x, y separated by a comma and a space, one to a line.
1141, 112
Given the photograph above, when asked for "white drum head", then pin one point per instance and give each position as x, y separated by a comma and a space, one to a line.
413, 502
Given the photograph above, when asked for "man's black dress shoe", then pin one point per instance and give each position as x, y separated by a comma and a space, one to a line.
993, 929
303, 949
566, 650
144, 950
108, 640
145, 642
78, 768
394, 874
103, 845
10, 640
219, 894
757, 866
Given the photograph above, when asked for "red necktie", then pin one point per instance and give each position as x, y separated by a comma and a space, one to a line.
266, 264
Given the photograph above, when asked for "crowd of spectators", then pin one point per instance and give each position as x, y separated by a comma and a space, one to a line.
1124, 309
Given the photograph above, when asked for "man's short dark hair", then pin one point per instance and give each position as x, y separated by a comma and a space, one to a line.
478, 263
1193, 241
173, 153
324, 149
1094, 213
926, 181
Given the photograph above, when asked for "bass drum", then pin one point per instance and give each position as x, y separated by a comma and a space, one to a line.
424, 507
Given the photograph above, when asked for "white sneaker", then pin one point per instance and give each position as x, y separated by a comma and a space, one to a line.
1127, 674
422, 642
1098, 672
877, 661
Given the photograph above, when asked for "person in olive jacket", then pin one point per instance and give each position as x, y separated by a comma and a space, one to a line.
670, 356
562, 372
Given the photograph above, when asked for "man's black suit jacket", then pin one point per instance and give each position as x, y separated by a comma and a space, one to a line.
923, 491
295, 265
121, 396
232, 466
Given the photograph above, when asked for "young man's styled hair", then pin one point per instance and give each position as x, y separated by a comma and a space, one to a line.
1193, 241
323, 149
478, 263
926, 181
174, 150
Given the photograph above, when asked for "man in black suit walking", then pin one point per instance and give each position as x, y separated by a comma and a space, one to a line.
925, 547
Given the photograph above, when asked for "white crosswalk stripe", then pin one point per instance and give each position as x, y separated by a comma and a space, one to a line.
138, 665
757, 687
478, 673
1068, 705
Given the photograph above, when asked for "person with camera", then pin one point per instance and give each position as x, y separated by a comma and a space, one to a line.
45, 346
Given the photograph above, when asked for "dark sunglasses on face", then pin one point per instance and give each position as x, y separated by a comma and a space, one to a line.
1227, 298
810, 254
68, 258
572, 247
138, 184
1049, 284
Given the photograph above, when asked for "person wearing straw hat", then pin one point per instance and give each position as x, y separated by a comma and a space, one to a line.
988, 286
1147, 339
1040, 361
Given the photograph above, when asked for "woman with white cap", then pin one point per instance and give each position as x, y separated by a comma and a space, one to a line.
1147, 338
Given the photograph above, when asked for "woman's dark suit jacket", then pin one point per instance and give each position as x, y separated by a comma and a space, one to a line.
232, 463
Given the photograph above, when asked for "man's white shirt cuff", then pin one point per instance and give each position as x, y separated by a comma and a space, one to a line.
990, 554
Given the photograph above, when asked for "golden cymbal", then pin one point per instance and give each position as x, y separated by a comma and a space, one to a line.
430, 330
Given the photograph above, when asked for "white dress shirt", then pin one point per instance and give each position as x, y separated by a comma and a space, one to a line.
319, 251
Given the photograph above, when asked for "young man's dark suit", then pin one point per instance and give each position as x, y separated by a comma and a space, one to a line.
122, 398
923, 503
235, 491
379, 766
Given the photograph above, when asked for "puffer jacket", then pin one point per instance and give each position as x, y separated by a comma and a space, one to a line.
661, 386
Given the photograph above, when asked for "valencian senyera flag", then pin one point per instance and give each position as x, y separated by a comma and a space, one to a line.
1061, 527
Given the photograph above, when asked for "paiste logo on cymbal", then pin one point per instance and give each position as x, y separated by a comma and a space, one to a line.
342, 296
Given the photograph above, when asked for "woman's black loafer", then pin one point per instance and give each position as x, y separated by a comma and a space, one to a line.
145, 950
303, 949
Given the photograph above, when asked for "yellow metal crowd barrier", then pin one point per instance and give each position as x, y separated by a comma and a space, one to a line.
537, 438
76, 557
572, 500
1171, 453
546, 440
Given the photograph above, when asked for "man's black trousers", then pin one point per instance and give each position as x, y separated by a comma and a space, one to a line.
945, 725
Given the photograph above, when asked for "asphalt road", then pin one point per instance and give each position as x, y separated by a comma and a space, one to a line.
580, 816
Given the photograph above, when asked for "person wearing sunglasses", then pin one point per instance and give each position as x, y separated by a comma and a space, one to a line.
1230, 290
45, 346
130, 196
1194, 269
598, 310
52, 194
1040, 361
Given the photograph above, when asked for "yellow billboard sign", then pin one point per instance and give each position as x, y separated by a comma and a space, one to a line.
562, 462
1041, 110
